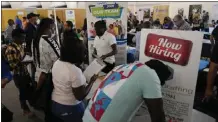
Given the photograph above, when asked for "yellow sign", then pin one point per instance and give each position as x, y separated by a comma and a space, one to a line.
160, 12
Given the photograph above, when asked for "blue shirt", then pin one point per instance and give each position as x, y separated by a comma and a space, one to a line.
18, 22
5, 71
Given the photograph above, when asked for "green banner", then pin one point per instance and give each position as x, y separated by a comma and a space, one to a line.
101, 12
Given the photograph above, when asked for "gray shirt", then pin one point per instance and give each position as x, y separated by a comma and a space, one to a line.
185, 26
8, 33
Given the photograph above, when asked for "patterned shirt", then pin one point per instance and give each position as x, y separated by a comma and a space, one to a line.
47, 54
185, 26
14, 55
121, 93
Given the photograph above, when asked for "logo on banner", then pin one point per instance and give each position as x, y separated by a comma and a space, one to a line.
168, 49
70, 12
107, 11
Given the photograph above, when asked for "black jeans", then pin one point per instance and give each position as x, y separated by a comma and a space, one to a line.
22, 83
108, 67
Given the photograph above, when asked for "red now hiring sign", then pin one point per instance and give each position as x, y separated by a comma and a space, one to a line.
168, 49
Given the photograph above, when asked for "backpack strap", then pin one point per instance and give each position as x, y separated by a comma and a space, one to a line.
53, 46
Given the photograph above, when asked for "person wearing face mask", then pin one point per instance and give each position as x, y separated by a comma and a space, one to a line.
14, 54
45, 52
180, 23
105, 46
30, 32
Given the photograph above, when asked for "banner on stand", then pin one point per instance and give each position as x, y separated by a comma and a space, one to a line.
160, 12
70, 16
180, 50
113, 13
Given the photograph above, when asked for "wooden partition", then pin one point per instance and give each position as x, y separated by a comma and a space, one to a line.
80, 15
11, 14
43, 12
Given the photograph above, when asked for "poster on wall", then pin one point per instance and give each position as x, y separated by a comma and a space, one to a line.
180, 50
115, 16
214, 12
70, 16
181, 11
195, 11
146, 13
160, 12
21, 13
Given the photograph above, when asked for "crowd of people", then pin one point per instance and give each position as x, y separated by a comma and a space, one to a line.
61, 95
61, 88
177, 23
116, 28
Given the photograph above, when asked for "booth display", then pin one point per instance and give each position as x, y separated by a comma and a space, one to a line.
160, 12
70, 16
113, 13
181, 51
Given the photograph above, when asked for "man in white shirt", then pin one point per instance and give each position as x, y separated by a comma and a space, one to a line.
105, 46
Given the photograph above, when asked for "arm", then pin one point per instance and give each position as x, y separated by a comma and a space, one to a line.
112, 42
82, 91
213, 34
155, 108
151, 92
212, 40
134, 39
41, 81
94, 53
113, 52
6, 33
211, 78
6, 74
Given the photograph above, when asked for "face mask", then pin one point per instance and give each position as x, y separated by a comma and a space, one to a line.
14, 26
38, 21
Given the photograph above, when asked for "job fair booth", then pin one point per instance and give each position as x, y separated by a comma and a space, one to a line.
184, 51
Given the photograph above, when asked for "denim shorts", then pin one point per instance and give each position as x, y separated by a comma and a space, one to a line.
68, 113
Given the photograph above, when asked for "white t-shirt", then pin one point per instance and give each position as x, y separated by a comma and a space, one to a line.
65, 77
103, 46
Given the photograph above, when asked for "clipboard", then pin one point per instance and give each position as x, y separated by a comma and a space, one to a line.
94, 68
